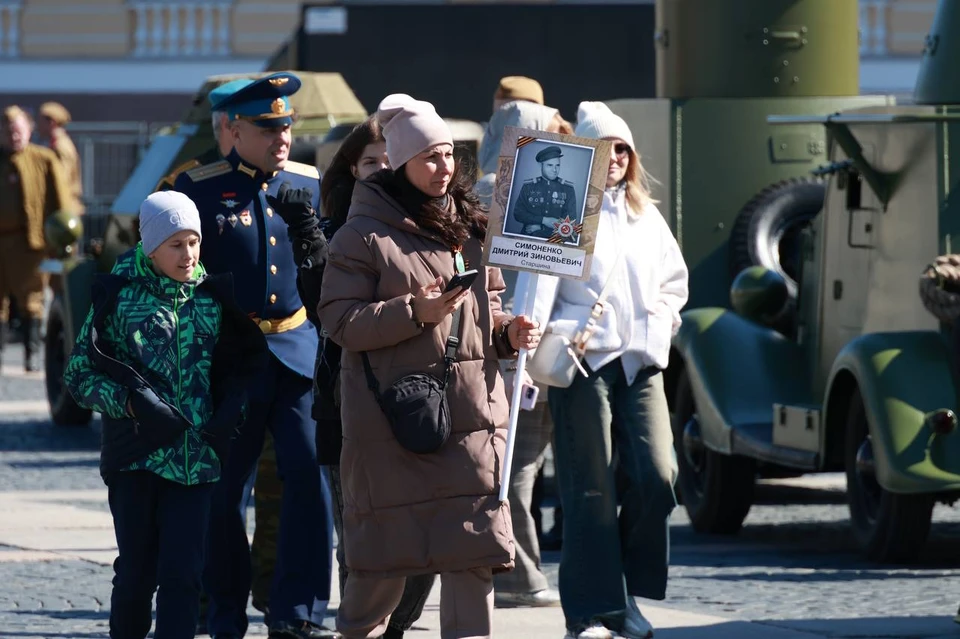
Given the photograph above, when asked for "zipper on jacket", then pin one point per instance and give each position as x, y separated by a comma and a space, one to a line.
186, 433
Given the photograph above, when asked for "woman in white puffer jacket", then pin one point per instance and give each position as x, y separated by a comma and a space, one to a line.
621, 407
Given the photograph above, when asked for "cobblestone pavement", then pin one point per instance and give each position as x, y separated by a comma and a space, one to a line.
794, 565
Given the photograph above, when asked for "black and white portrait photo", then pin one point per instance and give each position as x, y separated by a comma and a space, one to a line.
548, 191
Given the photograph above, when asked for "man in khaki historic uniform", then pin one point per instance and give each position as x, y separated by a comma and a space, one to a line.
53, 117
32, 187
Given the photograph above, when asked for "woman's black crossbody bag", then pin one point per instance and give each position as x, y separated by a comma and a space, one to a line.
416, 405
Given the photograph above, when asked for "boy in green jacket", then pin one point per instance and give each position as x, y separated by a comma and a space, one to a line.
166, 356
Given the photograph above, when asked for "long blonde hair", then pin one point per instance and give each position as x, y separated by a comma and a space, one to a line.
637, 182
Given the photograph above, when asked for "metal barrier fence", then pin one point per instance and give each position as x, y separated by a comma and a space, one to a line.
109, 152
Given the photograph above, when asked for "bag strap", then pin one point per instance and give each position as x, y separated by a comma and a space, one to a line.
583, 335
449, 356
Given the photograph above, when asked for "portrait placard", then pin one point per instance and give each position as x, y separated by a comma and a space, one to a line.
546, 204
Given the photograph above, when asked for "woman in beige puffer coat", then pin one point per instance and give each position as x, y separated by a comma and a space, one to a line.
408, 232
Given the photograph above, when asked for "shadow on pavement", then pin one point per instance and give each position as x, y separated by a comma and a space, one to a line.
813, 544
66, 633
913, 627
772, 494
40, 435
818, 576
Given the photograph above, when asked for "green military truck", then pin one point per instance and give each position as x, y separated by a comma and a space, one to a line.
323, 103
819, 357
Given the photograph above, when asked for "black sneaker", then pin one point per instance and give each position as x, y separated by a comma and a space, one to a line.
301, 630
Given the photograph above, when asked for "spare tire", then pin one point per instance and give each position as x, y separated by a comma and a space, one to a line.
767, 230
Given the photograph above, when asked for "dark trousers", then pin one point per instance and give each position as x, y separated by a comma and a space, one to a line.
609, 554
281, 401
160, 527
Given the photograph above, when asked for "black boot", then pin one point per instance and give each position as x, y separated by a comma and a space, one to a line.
31, 346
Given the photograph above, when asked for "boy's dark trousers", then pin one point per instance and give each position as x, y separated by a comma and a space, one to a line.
161, 527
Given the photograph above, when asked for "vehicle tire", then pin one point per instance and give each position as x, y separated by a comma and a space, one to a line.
63, 410
767, 229
889, 528
716, 490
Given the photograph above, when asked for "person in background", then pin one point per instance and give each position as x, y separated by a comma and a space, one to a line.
361, 154
512, 89
409, 230
167, 357
518, 113
248, 234
525, 585
50, 127
32, 187
608, 559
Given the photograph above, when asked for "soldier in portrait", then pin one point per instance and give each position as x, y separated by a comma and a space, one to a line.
546, 200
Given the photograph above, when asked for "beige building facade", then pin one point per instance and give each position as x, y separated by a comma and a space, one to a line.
157, 48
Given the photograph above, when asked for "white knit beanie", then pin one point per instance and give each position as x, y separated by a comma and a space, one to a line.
596, 120
410, 127
165, 213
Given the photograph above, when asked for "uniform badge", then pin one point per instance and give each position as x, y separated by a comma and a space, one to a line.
229, 203
245, 218
220, 220
232, 219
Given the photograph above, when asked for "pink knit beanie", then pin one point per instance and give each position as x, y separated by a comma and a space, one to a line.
410, 127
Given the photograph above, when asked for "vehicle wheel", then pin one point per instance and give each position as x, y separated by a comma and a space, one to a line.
767, 230
888, 527
716, 490
63, 410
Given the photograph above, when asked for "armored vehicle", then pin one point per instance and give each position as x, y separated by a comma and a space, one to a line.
829, 361
324, 102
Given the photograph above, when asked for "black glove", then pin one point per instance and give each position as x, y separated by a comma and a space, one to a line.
226, 420
310, 249
225, 424
156, 422
294, 206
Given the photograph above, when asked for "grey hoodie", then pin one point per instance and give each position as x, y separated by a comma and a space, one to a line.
520, 113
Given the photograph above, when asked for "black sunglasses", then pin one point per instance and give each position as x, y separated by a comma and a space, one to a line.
621, 148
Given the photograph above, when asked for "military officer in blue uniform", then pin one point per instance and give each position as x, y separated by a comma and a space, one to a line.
246, 201
545, 200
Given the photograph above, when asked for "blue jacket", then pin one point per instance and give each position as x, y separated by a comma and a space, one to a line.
242, 235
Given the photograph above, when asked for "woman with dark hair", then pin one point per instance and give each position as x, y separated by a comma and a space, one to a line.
361, 154
419, 500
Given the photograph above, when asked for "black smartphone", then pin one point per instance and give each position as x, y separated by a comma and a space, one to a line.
464, 279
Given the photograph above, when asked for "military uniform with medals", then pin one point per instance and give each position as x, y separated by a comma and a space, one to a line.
242, 234
542, 198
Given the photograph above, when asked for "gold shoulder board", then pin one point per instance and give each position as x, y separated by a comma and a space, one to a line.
200, 173
170, 178
300, 168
